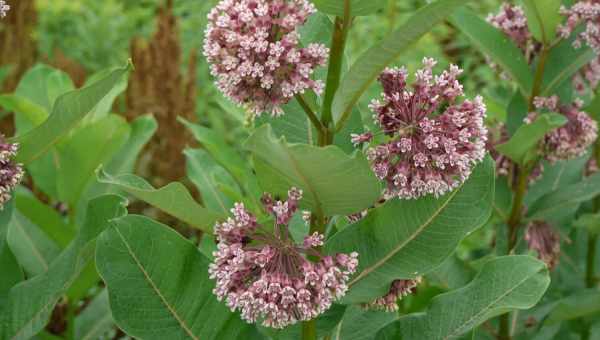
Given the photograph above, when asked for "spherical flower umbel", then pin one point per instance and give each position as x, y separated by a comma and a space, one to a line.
4, 8
587, 13
398, 290
11, 173
570, 140
544, 240
254, 51
433, 141
267, 276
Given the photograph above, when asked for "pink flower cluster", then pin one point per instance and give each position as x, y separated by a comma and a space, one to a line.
587, 13
253, 47
544, 240
11, 173
4, 8
433, 141
512, 21
398, 290
267, 276
572, 139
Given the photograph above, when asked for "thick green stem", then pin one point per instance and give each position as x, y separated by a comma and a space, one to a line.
336, 59
309, 330
590, 272
517, 208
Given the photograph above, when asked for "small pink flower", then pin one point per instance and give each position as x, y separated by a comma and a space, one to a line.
572, 139
398, 290
433, 140
254, 51
544, 240
11, 173
265, 275
586, 13
512, 21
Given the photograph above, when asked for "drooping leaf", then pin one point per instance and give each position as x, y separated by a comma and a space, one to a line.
543, 16
333, 182
67, 111
158, 284
81, 154
404, 239
174, 199
504, 284
565, 199
496, 45
206, 174
526, 138
30, 303
580, 304
368, 66
33, 249
356, 7
95, 320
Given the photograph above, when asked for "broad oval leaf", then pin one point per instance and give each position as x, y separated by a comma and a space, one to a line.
158, 284
503, 284
30, 303
404, 239
580, 304
174, 199
333, 182
95, 320
372, 62
67, 111
528, 135
33, 112
564, 200
496, 45
361, 324
356, 7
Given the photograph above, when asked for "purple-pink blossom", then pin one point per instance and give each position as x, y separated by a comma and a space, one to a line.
512, 21
544, 240
586, 13
433, 140
11, 173
254, 51
572, 139
269, 278
398, 290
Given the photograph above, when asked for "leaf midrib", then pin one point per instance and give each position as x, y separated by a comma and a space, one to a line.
155, 288
564, 70
417, 232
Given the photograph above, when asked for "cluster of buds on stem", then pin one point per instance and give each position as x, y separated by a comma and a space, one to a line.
544, 240
267, 276
398, 290
433, 140
255, 54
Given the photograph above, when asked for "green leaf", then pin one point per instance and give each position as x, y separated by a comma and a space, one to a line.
333, 182
589, 221
504, 284
45, 217
67, 111
357, 7
361, 324
404, 239
526, 138
30, 303
31, 246
206, 174
142, 130
104, 107
95, 320
76, 161
562, 64
33, 112
495, 44
542, 18
174, 199
158, 284
565, 199
43, 84
370, 64
578, 305
11, 271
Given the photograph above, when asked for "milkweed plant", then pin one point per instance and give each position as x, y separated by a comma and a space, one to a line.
371, 199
